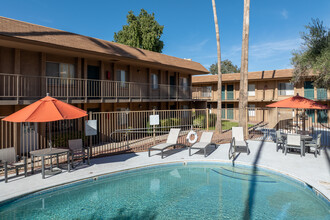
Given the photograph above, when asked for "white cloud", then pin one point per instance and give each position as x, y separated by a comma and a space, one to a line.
195, 47
285, 14
268, 49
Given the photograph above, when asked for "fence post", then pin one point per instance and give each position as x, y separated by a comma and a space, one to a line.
154, 135
246, 124
18, 89
207, 119
86, 90
90, 137
67, 90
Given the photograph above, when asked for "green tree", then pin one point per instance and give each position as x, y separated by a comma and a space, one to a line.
141, 31
226, 67
314, 55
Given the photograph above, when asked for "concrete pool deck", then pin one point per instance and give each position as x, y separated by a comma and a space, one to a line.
313, 171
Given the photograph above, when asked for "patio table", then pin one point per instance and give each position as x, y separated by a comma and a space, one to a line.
48, 152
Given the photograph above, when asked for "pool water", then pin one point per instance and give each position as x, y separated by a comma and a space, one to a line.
175, 191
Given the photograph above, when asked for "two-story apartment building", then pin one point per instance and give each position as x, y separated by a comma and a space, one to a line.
89, 73
264, 87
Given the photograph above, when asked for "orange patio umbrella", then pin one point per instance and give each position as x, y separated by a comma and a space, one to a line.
298, 102
47, 109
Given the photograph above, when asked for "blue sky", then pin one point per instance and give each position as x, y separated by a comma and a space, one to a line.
189, 32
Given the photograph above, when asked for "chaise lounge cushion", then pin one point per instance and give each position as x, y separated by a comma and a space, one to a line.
161, 146
240, 143
200, 145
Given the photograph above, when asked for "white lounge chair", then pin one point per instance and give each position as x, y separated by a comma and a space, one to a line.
238, 144
172, 141
204, 142
293, 141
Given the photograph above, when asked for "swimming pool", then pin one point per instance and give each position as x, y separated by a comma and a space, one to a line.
175, 191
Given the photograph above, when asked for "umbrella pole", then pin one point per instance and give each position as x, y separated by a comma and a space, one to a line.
50, 136
296, 121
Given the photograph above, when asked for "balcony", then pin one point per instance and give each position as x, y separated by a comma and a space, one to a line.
23, 89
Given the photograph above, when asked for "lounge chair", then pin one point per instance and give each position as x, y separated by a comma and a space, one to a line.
9, 161
315, 145
77, 150
279, 141
172, 141
238, 144
204, 142
293, 141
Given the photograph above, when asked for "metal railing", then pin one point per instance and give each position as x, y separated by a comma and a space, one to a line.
24, 87
130, 131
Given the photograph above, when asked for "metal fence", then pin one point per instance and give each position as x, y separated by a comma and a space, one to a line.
130, 131
288, 121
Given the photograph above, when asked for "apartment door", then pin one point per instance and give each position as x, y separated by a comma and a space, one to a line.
93, 85
29, 137
230, 111
223, 111
172, 87
230, 92
308, 90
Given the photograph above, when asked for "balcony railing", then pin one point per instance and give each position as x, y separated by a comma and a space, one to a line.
23, 87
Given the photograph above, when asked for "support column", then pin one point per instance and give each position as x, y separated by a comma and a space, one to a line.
102, 77
85, 81
44, 85
17, 70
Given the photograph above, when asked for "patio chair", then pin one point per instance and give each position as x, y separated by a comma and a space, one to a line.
204, 142
279, 141
9, 161
238, 144
79, 151
293, 141
172, 141
315, 145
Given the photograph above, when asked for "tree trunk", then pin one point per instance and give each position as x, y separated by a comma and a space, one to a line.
218, 126
243, 94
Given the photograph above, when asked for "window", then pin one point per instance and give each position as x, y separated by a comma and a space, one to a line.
122, 78
252, 110
207, 91
154, 81
62, 70
251, 91
184, 83
285, 89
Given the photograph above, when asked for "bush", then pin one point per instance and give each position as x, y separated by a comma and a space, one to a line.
200, 121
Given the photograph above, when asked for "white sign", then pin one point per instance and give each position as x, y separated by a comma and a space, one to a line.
91, 127
154, 119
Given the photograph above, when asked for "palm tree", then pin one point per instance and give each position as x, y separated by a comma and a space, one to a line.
243, 96
218, 126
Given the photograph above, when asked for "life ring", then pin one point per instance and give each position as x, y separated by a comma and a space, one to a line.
189, 135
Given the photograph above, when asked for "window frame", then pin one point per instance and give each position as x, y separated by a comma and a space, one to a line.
286, 91
252, 93
154, 81
119, 74
70, 73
